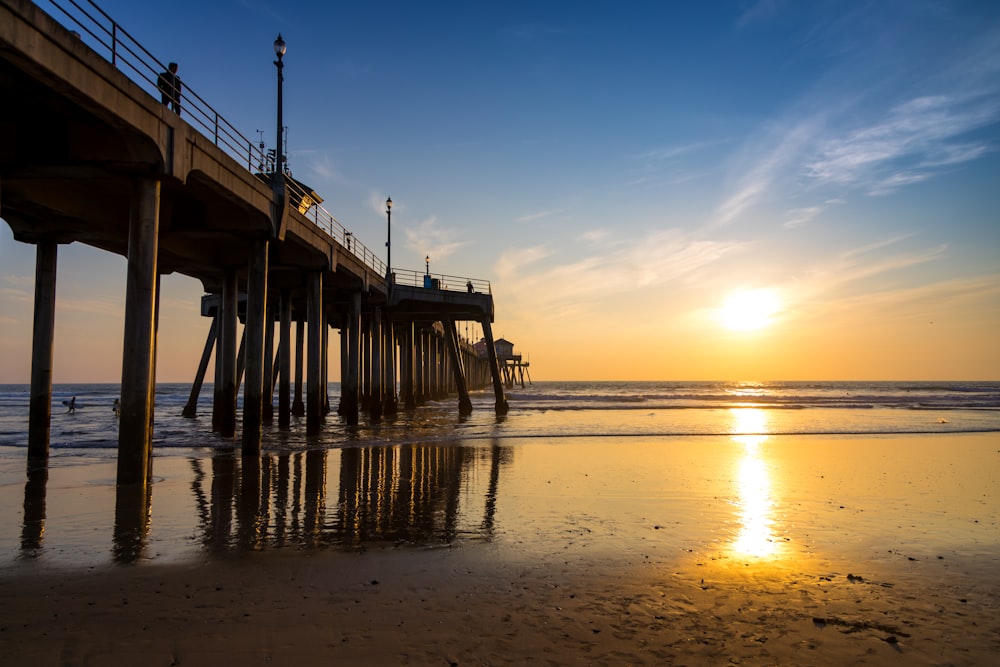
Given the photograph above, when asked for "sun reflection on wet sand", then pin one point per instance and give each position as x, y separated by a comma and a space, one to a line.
755, 536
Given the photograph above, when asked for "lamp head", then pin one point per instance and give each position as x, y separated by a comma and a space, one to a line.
388, 204
279, 47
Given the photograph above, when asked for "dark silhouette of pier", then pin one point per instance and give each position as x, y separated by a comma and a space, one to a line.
89, 154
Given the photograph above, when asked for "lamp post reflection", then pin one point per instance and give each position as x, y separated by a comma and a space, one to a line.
755, 536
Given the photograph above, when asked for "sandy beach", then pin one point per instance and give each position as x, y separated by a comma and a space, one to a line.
817, 551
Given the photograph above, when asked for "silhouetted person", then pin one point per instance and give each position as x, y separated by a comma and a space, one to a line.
70, 404
117, 408
170, 88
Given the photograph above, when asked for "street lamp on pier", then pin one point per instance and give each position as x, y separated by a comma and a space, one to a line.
279, 50
427, 262
388, 239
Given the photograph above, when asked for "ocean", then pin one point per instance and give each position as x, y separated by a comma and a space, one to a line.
600, 453
546, 409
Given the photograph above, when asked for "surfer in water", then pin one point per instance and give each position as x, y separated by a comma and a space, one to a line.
70, 404
117, 408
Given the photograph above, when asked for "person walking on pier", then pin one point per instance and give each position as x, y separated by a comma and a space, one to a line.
169, 85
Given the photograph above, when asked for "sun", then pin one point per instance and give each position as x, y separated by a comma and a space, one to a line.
749, 310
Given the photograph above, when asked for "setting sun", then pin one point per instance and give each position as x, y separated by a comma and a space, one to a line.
749, 310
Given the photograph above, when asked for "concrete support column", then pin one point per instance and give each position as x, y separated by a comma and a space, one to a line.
350, 390
365, 384
298, 406
464, 402
134, 442
217, 371
325, 392
419, 365
501, 401
435, 386
285, 362
389, 393
314, 314
43, 335
253, 332
431, 365
225, 357
344, 324
406, 367
191, 407
267, 413
241, 357
375, 400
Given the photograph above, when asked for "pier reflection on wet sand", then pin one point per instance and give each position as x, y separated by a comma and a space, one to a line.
398, 494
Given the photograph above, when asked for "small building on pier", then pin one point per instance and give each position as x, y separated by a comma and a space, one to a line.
513, 366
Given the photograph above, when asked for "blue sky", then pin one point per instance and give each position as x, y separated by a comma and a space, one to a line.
617, 169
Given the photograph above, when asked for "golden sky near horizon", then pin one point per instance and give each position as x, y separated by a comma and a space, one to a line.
714, 334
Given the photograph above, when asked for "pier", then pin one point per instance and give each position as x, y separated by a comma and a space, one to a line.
89, 154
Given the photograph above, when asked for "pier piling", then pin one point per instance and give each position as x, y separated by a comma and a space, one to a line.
502, 406
285, 361
43, 334
225, 357
253, 331
314, 315
464, 402
191, 407
134, 443
350, 389
375, 400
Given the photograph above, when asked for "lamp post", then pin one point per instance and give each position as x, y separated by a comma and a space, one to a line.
388, 239
427, 262
279, 50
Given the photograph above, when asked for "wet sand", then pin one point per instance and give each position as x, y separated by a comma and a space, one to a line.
804, 551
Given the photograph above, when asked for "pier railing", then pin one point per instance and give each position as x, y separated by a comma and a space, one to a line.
104, 35
441, 281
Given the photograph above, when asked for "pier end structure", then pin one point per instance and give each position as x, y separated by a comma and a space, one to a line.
427, 305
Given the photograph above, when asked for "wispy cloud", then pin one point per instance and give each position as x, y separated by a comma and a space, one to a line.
800, 216
906, 146
512, 262
594, 235
540, 215
871, 130
594, 284
320, 164
668, 165
759, 178
849, 273
376, 202
430, 238
14, 294
672, 152
18, 281
762, 10
96, 305
936, 302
